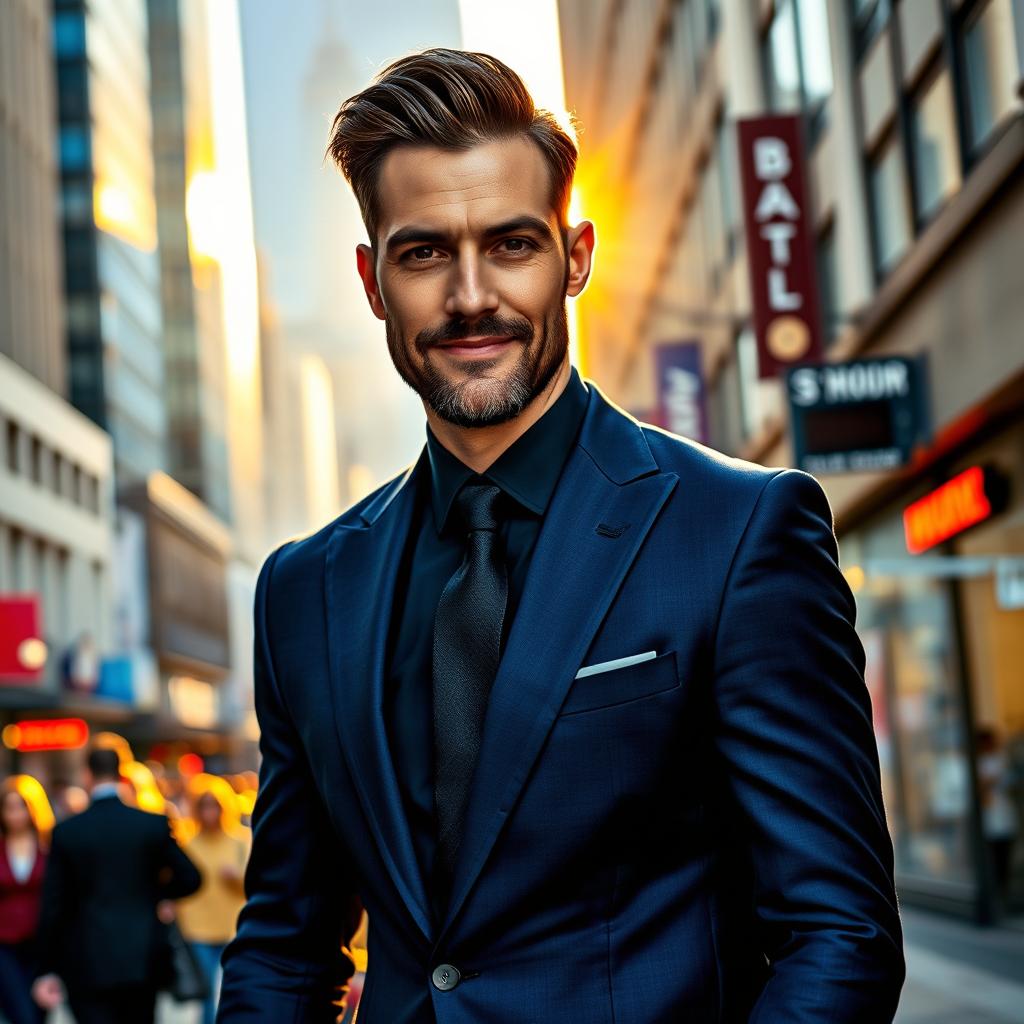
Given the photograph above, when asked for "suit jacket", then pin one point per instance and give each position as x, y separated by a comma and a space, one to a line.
696, 837
109, 867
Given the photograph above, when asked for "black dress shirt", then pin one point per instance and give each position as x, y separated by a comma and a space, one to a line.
527, 473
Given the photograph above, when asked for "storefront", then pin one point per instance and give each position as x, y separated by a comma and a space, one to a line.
943, 631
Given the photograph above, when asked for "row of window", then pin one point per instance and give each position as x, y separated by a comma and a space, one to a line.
937, 81
30, 457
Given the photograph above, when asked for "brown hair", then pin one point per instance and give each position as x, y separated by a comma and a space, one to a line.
9, 786
453, 99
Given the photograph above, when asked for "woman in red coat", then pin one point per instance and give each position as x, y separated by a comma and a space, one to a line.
22, 865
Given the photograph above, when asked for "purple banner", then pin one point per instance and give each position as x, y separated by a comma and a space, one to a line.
681, 400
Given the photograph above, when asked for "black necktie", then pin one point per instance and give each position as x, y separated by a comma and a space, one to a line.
467, 647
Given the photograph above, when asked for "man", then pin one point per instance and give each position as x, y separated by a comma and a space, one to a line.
111, 871
574, 707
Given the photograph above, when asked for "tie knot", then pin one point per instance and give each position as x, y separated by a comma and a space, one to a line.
477, 506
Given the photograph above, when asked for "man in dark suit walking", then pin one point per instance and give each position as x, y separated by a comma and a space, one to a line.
111, 871
574, 707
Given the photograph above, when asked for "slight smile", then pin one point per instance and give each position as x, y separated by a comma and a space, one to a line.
476, 348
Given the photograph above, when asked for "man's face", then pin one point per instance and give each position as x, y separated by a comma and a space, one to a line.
470, 276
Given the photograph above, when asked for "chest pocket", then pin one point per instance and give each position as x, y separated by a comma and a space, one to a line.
622, 685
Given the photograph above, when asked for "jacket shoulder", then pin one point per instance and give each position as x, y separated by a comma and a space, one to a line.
695, 462
304, 553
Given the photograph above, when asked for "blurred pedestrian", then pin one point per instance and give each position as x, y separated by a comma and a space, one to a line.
112, 873
207, 917
998, 813
22, 866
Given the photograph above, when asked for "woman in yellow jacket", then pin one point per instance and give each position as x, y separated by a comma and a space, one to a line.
219, 847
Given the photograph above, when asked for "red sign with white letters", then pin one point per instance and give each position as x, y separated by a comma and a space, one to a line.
780, 243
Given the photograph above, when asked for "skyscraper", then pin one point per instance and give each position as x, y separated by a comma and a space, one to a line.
111, 268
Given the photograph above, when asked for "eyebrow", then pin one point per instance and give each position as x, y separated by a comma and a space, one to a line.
431, 236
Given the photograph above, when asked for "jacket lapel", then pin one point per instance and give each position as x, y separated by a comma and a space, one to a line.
609, 495
361, 570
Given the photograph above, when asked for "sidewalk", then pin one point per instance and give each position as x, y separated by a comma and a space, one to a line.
960, 974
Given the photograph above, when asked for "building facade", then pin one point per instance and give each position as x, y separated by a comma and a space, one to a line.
56, 552
31, 324
111, 266
913, 134
194, 353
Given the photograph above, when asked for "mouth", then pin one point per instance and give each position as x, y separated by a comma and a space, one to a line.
485, 346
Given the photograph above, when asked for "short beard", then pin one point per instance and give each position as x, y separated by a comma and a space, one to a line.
508, 396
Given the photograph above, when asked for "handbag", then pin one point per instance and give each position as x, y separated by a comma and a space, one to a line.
185, 980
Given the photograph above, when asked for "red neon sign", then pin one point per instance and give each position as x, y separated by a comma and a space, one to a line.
46, 734
950, 509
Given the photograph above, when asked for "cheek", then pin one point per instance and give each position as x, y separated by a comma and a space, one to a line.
414, 304
533, 291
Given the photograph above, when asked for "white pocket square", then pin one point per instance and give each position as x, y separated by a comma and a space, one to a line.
608, 666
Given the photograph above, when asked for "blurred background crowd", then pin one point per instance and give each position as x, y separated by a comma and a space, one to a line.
189, 373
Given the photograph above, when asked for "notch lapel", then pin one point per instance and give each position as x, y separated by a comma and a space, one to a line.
575, 572
362, 565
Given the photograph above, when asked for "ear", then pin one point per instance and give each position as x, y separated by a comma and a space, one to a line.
367, 268
580, 241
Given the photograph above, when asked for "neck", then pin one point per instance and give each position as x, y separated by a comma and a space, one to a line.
479, 447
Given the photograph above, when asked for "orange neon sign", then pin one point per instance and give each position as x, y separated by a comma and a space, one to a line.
46, 734
948, 510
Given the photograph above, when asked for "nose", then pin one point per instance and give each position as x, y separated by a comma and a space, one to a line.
470, 295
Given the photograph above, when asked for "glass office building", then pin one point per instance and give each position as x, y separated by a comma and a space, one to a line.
111, 273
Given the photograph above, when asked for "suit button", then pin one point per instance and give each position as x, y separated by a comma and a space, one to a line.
445, 977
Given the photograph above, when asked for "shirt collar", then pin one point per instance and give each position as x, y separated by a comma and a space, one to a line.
527, 470
103, 790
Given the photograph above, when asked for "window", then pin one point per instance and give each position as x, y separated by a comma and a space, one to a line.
69, 33
74, 148
815, 51
991, 65
869, 18
889, 207
76, 202
782, 63
828, 278
728, 182
798, 59
36, 460
57, 479
13, 443
933, 139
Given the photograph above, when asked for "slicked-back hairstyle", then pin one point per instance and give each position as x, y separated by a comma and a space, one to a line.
452, 99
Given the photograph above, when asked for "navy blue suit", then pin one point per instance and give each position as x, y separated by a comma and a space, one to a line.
698, 837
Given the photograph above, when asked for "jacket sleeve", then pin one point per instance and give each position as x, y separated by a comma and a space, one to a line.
179, 877
287, 961
56, 902
795, 736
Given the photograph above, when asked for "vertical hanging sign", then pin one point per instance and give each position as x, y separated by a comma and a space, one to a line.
780, 243
681, 402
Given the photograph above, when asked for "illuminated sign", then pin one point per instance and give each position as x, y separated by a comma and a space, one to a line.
46, 734
858, 416
22, 650
966, 500
780, 248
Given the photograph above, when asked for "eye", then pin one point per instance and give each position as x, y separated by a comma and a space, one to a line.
515, 245
421, 253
